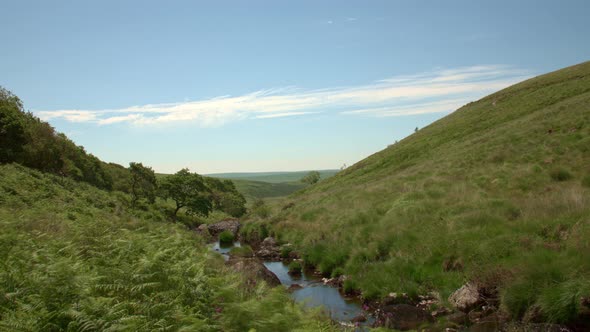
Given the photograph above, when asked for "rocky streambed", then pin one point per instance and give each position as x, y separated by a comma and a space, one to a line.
306, 287
472, 306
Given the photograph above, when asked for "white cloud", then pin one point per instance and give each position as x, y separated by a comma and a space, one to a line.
432, 92
280, 115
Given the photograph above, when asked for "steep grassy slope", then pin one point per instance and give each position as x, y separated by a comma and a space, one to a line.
496, 192
76, 258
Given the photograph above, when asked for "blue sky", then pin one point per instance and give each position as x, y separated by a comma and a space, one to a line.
222, 86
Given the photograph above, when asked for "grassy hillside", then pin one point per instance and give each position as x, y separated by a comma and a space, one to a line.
253, 190
273, 177
259, 189
497, 192
76, 258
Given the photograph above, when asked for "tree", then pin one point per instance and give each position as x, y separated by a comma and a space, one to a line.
143, 183
12, 132
188, 190
311, 178
225, 197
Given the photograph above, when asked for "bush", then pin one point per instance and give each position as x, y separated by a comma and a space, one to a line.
560, 174
295, 267
349, 286
226, 237
586, 181
254, 232
286, 250
243, 251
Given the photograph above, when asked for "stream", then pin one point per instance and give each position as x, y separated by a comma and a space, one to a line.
314, 293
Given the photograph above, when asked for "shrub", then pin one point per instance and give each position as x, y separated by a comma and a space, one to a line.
560, 174
586, 181
286, 250
349, 286
243, 251
226, 237
254, 232
295, 267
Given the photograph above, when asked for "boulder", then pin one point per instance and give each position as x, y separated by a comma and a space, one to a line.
231, 225
269, 242
403, 317
269, 249
466, 298
253, 270
359, 319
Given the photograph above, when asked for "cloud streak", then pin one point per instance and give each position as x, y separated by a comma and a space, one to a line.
437, 91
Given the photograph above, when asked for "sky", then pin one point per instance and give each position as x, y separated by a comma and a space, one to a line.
242, 86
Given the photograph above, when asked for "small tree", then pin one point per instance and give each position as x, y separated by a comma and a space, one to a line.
143, 183
225, 197
188, 190
311, 178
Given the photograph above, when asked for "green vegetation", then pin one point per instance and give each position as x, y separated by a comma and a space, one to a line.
496, 192
77, 258
295, 267
254, 190
254, 232
272, 177
143, 183
188, 190
311, 178
243, 251
226, 237
27, 140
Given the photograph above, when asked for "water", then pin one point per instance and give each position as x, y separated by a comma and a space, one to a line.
317, 294
224, 248
314, 292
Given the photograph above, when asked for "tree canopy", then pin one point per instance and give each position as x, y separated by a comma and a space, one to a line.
143, 183
225, 197
188, 190
27, 140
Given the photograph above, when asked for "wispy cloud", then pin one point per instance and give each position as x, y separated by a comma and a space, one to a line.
437, 91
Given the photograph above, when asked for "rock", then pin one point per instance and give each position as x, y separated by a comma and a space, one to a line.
268, 254
294, 287
403, 317
269, 249
459, 318
269, 242
253, 270
359, 319
203, 230
231, 225
492, 322
466, 298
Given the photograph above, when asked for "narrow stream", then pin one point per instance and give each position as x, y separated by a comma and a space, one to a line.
314, 293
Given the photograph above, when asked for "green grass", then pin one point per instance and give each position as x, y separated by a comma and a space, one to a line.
272, 177
501, 184
76, 258
259, 189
